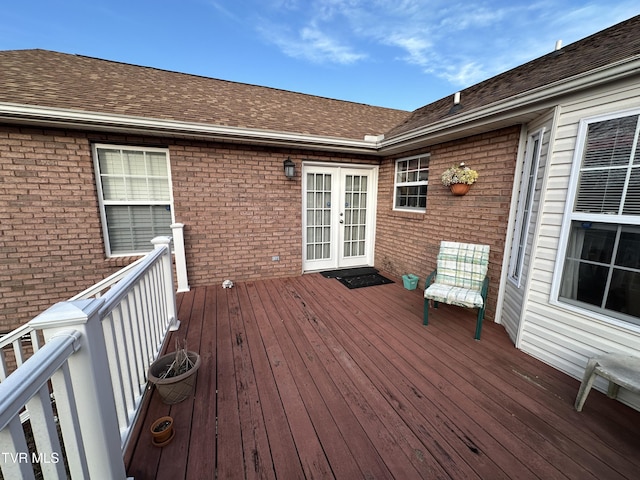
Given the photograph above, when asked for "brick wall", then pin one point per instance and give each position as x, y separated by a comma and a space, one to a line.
238, 208
50, 237
409, 242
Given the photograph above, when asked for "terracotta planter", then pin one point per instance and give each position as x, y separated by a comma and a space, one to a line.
459, 188
162, 431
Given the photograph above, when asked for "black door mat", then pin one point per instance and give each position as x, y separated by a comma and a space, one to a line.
366, 280
349, 272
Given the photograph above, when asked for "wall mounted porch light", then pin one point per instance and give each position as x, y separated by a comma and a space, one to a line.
289, 168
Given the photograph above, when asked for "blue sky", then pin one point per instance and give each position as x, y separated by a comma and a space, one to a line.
392, 53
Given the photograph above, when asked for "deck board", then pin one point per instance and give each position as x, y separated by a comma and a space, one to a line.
304, 378
204, 411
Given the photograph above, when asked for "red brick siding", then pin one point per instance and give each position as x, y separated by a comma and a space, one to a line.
49, 221
238, 208
409, 242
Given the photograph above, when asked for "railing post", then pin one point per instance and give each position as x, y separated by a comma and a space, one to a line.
91, 383
181, 259
164, 242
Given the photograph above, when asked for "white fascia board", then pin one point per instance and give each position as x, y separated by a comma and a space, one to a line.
85, 120
512, 107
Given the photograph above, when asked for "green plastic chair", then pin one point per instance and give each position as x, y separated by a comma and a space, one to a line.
460, 279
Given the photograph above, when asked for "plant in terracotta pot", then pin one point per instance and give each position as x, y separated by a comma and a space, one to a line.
162, 431
173, 374
459, 178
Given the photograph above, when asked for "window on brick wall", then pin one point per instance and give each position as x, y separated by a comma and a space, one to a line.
600, 252
136, 201
411, 181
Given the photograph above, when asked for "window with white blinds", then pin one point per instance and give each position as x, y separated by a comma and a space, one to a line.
610, 172
601, 269
134, 189
411, 182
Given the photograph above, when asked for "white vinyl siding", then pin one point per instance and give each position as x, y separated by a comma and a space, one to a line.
561, 334
134, 190
411, 181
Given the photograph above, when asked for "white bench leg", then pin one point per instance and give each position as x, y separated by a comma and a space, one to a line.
612, 392
587, 383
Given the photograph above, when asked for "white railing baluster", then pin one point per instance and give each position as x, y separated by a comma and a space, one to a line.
35, 340
66, 406
18, 353
13, 447
45, 434
128, 346
111, 329
161, 310
4, 368
142, 335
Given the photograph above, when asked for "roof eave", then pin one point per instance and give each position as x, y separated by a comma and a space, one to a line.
510, 111
95, 121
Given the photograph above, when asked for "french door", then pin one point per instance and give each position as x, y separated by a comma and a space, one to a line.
338, 216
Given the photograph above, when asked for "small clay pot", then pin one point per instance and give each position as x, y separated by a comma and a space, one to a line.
162, 431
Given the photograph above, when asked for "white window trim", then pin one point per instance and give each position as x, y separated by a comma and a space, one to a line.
409, 184
103, 215
531, 167
569, 216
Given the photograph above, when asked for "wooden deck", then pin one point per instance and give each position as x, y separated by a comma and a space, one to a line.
304, 378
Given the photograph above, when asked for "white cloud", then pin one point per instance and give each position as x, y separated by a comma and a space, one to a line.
459, 42
463, 74
223, 10
311, 44
319, 47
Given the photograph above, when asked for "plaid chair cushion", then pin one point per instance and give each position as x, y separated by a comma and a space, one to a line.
461, 297
462, 265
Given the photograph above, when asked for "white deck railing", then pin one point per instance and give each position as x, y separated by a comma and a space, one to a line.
97, 349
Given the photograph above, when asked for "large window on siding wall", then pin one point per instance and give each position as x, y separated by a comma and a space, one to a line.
411, 181
136, 203
601, 269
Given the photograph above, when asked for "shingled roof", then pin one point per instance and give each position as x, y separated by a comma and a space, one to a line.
78, 83
603, 48
59, 80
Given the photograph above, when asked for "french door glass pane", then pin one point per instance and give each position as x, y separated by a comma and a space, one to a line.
318, 216
355, 215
